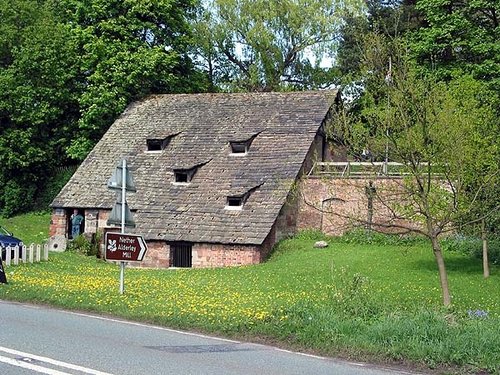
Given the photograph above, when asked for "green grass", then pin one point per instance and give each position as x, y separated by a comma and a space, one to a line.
30, 228
369, 302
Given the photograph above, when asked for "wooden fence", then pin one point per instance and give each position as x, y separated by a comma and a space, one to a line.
26, 254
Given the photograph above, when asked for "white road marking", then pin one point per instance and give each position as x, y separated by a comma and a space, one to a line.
51, 361
29, 366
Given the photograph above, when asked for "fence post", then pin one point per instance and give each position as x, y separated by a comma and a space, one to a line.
32, 250
8, 255
45, 251
16, 255
23, 255
38, 251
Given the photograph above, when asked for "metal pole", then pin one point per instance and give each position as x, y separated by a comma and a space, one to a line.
388, 80
124, 183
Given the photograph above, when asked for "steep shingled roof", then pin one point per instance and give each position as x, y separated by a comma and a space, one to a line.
201, 127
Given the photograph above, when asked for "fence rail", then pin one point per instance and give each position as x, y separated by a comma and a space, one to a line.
26, 254
359, 169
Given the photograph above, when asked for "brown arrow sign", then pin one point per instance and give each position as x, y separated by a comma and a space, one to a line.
124, 247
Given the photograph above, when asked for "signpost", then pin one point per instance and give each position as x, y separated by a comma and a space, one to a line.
124, 247
121, 246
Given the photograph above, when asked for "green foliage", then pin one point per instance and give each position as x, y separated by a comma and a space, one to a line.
473, 246
80, 244
460, 37
432, 128
268, 46
85, 246
52, 187
391, 18
364, 237
69, 68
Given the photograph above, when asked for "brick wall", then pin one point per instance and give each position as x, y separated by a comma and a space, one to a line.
58, 222
336, 205
157, 256
219, 255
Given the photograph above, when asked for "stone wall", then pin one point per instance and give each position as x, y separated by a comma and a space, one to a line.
337, 205
157, 256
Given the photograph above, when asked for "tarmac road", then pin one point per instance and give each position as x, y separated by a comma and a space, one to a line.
35, 339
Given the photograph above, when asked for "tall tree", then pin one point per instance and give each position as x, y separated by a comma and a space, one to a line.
38, 99
69, 67
259, 45
432, 128
128, 49
391, 18
460, 36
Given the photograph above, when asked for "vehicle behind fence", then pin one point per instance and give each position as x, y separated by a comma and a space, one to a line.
26, 254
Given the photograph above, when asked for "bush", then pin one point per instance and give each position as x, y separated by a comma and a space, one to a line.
52, 187
83, 245
365, 237
16, 197
473, 246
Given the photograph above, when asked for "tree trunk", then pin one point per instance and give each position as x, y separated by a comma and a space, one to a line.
443, 277
486, 268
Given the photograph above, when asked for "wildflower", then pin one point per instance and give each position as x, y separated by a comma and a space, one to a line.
481, 314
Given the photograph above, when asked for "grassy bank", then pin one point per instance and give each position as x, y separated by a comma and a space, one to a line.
30, 228
356, 301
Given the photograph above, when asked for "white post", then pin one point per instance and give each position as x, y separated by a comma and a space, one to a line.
24, 253
124, 186
16, 255
8, 255
38, 251
45, 251
32, 251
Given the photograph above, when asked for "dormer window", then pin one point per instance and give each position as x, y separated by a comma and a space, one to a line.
235, 202
157, 144
184, 176
241, 147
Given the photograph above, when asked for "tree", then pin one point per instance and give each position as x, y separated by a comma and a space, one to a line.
129, 49
436, 132
257, 45
460, 36
69, 68
392, 18
38, 100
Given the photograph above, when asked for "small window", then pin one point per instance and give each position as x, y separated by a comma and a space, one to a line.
239, 147
242, 146
154, 144
235, 203
159, 144
181, 255
181, 176
184, 176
